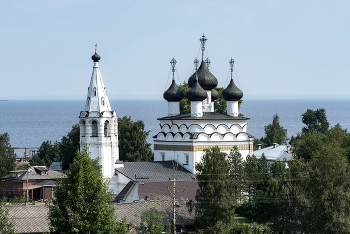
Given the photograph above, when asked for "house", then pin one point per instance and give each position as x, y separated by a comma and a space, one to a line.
130, 175
41, 181
35, 218
274, 153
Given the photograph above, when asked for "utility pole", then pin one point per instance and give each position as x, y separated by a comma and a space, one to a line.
175, 165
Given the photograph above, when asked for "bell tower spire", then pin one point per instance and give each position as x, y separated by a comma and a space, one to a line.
98, 123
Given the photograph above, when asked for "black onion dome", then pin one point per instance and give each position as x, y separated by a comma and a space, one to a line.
214, 95
173, 93
207, 80
196, 93
232, 92
96, 57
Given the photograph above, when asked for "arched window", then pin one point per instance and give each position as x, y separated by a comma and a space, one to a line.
107, 129
95, 92
87, 101
103, 101
82, 128
94, 129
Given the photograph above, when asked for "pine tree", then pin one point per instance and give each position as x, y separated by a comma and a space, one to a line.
237, 175
7, 157
213, 200
82, 202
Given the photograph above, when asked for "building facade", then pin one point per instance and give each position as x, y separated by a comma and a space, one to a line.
183, 137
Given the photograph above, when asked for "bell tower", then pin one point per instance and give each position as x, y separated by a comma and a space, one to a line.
99, 123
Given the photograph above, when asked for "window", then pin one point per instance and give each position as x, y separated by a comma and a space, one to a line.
187, 159
107, 129
163, 156
95, 92
94, 128
88, 101
103, 101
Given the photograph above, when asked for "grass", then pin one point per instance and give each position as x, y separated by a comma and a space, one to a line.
241, 219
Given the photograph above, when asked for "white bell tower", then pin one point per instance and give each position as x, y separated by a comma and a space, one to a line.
99, 123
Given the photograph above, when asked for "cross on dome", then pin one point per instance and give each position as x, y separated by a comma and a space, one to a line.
203, 39
231, 64
196, 63
173, 63
207, 62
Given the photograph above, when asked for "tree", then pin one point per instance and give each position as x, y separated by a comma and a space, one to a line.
323, 168
219, 104
185, 104
133, 144
274, 133
152, 223
69, 145
7, 156
235, 162
7, 224
83, 203
48, 153
315, 120
213, 200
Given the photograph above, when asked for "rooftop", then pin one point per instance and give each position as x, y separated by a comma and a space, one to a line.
153, 171
36, 173
273, 153
206, 116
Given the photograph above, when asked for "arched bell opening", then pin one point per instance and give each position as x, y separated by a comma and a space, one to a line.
107, 129
82, 128
94, 128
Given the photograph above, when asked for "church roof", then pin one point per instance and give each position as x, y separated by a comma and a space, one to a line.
196, 93
206, 116
153, 171
205, 78
97, 99
173, 93
232, 92
214, 95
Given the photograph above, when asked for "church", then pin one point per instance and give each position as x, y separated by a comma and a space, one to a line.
182, 137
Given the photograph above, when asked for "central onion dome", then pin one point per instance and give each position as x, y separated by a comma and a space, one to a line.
214, 95
196, 93
173, 93
96, 57
205, 78
232, 92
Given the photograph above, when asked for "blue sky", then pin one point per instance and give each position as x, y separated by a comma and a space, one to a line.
282, 49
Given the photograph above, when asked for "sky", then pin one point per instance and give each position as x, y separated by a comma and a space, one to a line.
282, 49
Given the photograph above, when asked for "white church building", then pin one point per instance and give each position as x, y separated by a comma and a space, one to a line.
183, 137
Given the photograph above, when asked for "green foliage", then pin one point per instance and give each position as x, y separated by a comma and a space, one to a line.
152, 223
69, 145
63, 151
236, 228
235, 162
7, 224
22, 166
323, 166
47, 154
133, 144
213, 199
82, 202
274, 133
315, 120
7, 156
122, 227
185, 104
219, 104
